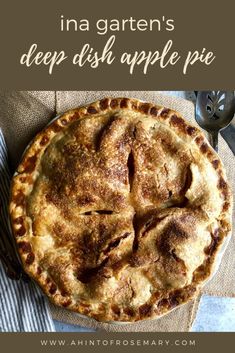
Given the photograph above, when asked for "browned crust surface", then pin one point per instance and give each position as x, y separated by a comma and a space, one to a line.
135, 264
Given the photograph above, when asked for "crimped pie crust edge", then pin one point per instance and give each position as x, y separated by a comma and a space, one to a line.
22, 180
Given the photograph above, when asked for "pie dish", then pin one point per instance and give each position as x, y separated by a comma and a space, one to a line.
119, 209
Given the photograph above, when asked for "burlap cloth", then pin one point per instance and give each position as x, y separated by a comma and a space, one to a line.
22, 114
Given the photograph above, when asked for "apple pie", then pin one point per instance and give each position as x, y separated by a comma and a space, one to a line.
119, 209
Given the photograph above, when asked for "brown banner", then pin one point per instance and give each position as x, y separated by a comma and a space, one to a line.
121, 44
103, 342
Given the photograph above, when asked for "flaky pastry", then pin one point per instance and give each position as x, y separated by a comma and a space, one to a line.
119, 209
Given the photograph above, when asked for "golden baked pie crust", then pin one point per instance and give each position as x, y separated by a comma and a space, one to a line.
119, 209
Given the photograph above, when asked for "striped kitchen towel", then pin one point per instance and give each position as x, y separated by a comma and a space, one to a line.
23, 308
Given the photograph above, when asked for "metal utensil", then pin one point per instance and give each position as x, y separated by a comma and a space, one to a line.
214, 111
